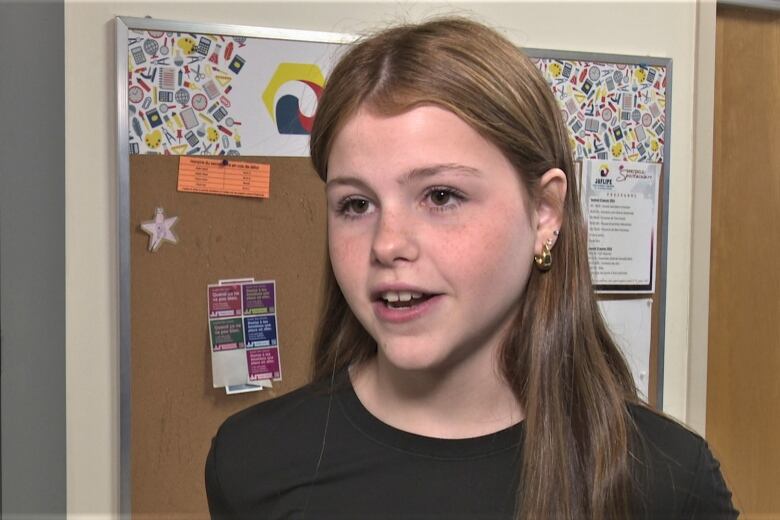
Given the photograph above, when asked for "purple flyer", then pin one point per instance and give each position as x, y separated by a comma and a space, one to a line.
260, 331
263, 363
259, 298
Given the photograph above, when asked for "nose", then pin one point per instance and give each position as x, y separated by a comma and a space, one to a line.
394, 239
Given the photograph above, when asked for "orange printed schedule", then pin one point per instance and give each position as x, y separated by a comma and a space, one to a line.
224, 177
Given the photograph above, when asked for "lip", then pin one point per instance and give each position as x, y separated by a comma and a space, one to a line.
376, 294
405, 314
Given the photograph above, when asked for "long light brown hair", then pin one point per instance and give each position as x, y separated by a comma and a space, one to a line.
558, 358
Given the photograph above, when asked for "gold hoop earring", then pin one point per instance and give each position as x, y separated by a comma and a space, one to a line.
544, 261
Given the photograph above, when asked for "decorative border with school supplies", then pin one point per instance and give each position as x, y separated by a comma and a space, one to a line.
614, 111
192, 93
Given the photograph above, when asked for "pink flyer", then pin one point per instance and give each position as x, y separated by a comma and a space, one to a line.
263, 363
224, 301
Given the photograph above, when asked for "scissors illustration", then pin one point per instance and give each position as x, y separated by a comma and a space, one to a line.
199, 76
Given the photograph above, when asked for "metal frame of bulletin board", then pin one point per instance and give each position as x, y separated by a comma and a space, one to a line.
150, 136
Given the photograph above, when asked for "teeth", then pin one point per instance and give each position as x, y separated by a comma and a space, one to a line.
403, 296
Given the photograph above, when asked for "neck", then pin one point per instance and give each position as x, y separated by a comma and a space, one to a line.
469, 400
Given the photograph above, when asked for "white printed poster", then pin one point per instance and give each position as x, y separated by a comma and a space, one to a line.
629, 323
620, 204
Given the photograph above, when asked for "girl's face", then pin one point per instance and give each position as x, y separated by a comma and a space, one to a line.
430, 236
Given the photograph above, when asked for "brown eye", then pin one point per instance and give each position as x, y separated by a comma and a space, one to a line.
440, 197
357, 205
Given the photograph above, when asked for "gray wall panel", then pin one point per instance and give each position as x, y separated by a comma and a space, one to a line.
32, 259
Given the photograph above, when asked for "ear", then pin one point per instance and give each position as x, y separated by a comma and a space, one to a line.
549, 207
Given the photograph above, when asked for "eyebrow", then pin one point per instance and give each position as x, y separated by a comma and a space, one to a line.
413, 175
434, 169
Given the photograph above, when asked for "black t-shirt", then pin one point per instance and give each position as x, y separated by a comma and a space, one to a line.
275, 460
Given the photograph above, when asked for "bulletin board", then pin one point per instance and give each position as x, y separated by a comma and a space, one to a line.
182, 92
618, 112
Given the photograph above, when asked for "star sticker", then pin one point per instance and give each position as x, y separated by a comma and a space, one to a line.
159, 229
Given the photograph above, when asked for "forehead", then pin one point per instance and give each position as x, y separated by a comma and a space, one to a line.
369, 142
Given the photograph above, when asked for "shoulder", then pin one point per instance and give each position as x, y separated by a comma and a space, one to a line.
288, 423
677, 473
295, 410
262, 449
666, 438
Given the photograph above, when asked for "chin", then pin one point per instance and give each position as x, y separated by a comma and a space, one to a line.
412, 356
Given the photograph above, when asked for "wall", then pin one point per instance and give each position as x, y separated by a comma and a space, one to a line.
703, 106
32, 260
666, 29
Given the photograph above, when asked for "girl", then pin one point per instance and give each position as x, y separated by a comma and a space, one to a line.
462, 369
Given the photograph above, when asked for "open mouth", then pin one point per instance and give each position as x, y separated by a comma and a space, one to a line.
403, 299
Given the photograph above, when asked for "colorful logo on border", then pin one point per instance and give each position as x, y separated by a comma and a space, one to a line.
287, 112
